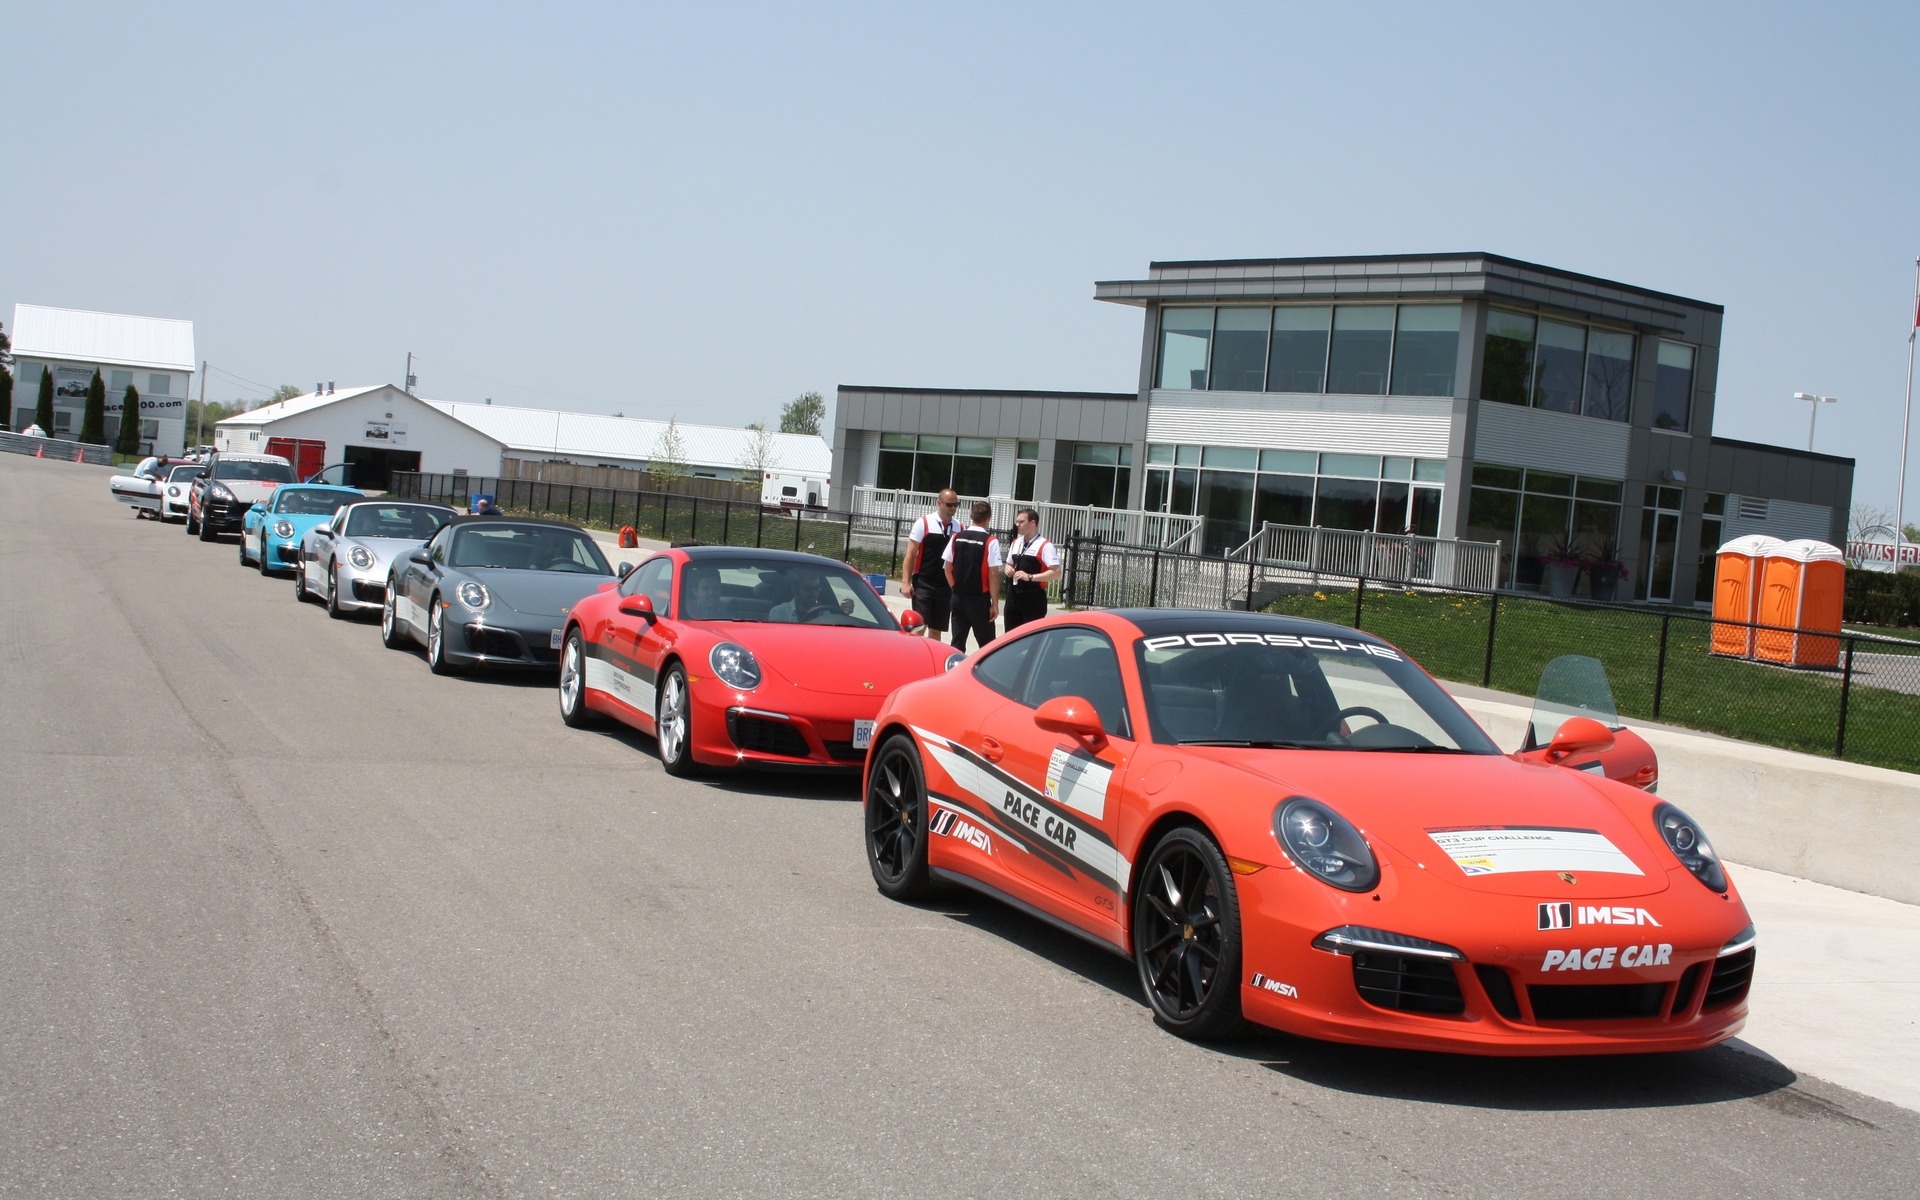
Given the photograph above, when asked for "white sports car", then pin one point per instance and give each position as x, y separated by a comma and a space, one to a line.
174, 488
344, 562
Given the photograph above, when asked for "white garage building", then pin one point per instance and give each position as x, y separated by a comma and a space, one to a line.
153, 355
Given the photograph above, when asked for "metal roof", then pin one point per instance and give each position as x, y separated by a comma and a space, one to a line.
306, 402
119, 339
591, 435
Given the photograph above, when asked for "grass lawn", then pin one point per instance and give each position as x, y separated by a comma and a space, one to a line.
1775, 706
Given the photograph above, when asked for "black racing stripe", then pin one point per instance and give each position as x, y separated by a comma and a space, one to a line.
1035, 844
610, 656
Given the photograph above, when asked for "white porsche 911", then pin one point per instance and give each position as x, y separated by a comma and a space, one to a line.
344, 561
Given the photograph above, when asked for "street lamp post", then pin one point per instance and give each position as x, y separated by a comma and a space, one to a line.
1813, 414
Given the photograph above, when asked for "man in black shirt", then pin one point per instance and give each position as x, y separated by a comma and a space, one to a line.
973, 572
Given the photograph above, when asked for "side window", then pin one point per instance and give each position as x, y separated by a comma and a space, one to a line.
1074, 661
437, 548
652, 579
1004, 666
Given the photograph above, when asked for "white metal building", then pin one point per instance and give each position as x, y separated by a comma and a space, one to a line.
593, 440
379, 429
154, 355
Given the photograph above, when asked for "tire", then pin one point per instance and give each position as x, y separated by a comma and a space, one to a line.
264, 569
299, 581
437, 638
243, 549
1186, 938
673, 723
896, 821
192, 527
391, 635
573, 684
333, 594
206, 533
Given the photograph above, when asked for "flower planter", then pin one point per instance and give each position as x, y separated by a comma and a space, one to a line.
1558, 578
1603, 580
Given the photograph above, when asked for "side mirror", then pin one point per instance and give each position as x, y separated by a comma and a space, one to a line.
639, 606
912, 622
419, 558
199, 474
1072, 716
324, 530
1579, 735
622, 570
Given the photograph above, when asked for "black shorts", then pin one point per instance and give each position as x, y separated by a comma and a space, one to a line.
934, 602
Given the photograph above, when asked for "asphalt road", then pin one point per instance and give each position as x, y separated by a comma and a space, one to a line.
282, 914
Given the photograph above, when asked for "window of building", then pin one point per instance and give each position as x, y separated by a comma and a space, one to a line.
1609, 388
930, 462
1026, 467
1362, 345
1351, 349
1238, 489
1239, 350
1101, 475
1426, 348
1557, 365
118, 382
1673, 387
1185, 337
1659, 541
159, 385
1506, 369
149, 429
1298, 362
1535, 513
62, 420
1706, 564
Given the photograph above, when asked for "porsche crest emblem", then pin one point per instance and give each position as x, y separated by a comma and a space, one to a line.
1566, 877
867, 686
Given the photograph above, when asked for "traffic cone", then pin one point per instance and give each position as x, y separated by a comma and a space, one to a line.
79, 455
39, 451
628, 538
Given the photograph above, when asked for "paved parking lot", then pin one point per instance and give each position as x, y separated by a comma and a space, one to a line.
283, 914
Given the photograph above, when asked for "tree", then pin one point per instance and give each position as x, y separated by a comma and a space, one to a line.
285, 391
759, 454
127, 445
803, 414
43, 411
93, 419
669, 454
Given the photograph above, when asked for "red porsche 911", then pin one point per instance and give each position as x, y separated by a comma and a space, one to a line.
1290, 823
740, 657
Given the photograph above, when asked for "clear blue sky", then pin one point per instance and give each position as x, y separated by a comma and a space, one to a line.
706, 209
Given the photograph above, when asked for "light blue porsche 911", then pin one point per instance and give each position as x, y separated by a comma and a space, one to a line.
272, 529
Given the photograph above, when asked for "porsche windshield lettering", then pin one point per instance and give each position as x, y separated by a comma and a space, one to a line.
1284, 640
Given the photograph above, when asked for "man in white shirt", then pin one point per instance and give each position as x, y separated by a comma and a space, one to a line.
924, 577
1033, 562
973, 572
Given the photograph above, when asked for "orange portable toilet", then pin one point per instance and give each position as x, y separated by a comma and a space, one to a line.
1736, 593
1823, 600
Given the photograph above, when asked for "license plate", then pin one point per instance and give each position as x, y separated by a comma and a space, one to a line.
553, 641
862, 734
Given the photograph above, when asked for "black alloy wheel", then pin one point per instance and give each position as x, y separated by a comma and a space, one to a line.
896, 821
1186, 937
573, 684
673, 723
333, 593
391, 635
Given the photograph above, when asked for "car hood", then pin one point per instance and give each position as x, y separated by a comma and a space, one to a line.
838, 660
382, 549
1481, 822
247, 491
536, 593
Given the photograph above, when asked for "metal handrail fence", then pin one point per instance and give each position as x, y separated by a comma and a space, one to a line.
1288, 551
1057, 521
1662, 662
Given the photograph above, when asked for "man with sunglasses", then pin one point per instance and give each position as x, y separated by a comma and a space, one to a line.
925, 575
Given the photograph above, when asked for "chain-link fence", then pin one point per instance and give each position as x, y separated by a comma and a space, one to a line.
1851, 695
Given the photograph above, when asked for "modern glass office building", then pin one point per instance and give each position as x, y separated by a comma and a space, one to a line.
1457, 395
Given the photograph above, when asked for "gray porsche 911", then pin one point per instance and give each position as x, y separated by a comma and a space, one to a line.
494, 591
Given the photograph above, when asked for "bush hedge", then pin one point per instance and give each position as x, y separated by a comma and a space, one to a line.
1881, 598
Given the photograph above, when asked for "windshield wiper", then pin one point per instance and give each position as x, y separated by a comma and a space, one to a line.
1244, 743
1427, 749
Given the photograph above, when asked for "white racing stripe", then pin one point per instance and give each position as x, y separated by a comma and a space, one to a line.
622, 685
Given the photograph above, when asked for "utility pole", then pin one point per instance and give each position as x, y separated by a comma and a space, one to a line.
1906, 425
200, 418
409, 386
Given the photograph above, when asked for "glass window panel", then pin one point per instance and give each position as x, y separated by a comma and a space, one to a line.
1298, 462
938, 443
1159, 485
1185, 334
1396, 468
1187, 456
896, 470
1490, 518
158, 385
1430, 470
1159, 454
1714, 504
898, 441
1239, 350
1353, 466
1028, 452
151, 429
1226, 501
1098, 455
1126, 454
1023, 481
1705, 561
1558, 366
1346, 503
1362, 340
1673, 387
1426, 350
982, 447
972, 477
1186, 491
932, 472
1549, 483
1507, 366
1609, 375
1488, 475
1543, 528
1298, 360
1284, 500
1097, 485
1426, 511
118, 382
1392, 517
1230, 458
1598, 489
1596, 530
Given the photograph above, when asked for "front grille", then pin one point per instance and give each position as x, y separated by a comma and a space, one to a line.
845, 752
369, 589
1407, 984
495, 643
762, 736
286, 554
1597, 1001
1731, 977
1499, 989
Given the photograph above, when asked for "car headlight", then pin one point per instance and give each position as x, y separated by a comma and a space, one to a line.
360, 557
1690, 846
1325, 844
953, 660
473, 595
283, 529
174, 491
735, 665
219, 491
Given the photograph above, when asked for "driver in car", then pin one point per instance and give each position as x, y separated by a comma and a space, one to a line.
812, 598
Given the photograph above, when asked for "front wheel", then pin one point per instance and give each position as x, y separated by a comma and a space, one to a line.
263, 552
243, 548
391, 635
573, 684
299, 581
192, 526
437, 661
673, 723
896, 820
1186, 937
205, 530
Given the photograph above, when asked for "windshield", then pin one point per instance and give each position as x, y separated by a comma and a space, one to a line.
182, 472
516, 547
1572, 685
307, 502
270, 472
780, 592
1304, 692
416, 522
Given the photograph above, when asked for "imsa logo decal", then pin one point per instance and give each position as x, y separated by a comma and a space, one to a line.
1563, 915
1273, 985
1556, 916
948, 823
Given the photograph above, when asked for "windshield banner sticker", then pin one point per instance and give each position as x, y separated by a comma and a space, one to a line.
1079, 781
1507, 851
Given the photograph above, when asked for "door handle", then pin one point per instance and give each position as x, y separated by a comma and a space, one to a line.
992, 750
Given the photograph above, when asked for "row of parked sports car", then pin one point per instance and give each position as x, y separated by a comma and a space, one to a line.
1279, 821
